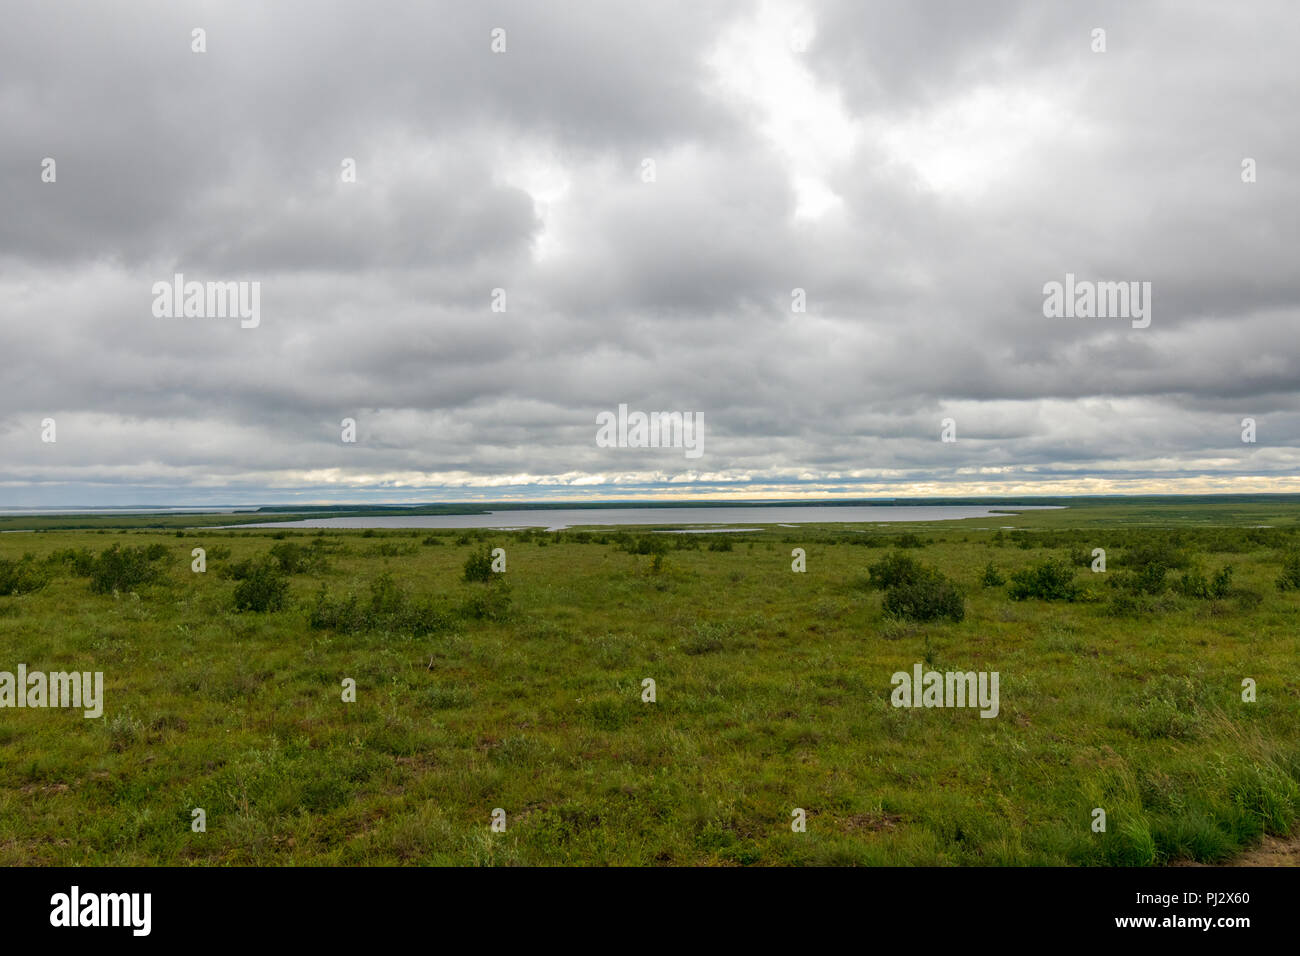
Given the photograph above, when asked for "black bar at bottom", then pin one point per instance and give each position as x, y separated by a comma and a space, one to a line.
334, 907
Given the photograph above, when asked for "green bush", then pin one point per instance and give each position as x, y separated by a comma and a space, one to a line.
263, 588
1047, 581
1221, 584
290, 556
1150, 579
240, 569
22, 576
1080, 557
478, 567
992, 577
1127, 604
893, 569
81, 561
125, 569
1155, 552
1194, 584
925, 596
1289, 579
647, 543
386, 597
346, 616
389, 609
492, 604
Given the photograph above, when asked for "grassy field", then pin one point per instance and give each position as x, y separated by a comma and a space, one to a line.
524, 693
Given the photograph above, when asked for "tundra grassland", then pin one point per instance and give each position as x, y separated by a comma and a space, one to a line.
477, 690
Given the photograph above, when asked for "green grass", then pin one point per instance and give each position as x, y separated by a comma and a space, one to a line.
773, 693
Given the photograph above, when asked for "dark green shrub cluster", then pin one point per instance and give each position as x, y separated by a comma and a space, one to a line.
915, 591
645, 544
80, 561
390, 608
478, 567
289, 557
243, 568
893, 569
124, 569
1164, 552
1148, 579
1047, 581
394, 549
720, 544
1133, 604
1193, 583
992, 577
293, 558
1289, 579
926, 596
22, 576
1080, 557
263, 587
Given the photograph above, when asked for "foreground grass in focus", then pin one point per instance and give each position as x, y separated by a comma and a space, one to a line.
773, 689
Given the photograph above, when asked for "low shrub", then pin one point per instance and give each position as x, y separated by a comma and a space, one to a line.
1046, 581
478, 567
1289, 579
263, 588
293, 558
80, 561
646, 543
125, 569
893, 569
22, 576
1194, 584
390, 608
925, 596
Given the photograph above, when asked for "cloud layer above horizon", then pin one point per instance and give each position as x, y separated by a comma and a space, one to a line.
919, 169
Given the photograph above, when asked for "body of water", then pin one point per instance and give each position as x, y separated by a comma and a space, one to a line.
558, 519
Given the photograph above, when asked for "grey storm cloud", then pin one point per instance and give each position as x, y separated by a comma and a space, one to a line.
919, 170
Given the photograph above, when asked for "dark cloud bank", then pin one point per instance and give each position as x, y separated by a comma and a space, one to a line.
919, 170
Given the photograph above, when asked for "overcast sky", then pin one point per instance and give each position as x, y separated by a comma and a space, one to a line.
920, 169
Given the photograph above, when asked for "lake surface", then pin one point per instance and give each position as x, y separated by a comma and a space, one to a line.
558, 519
